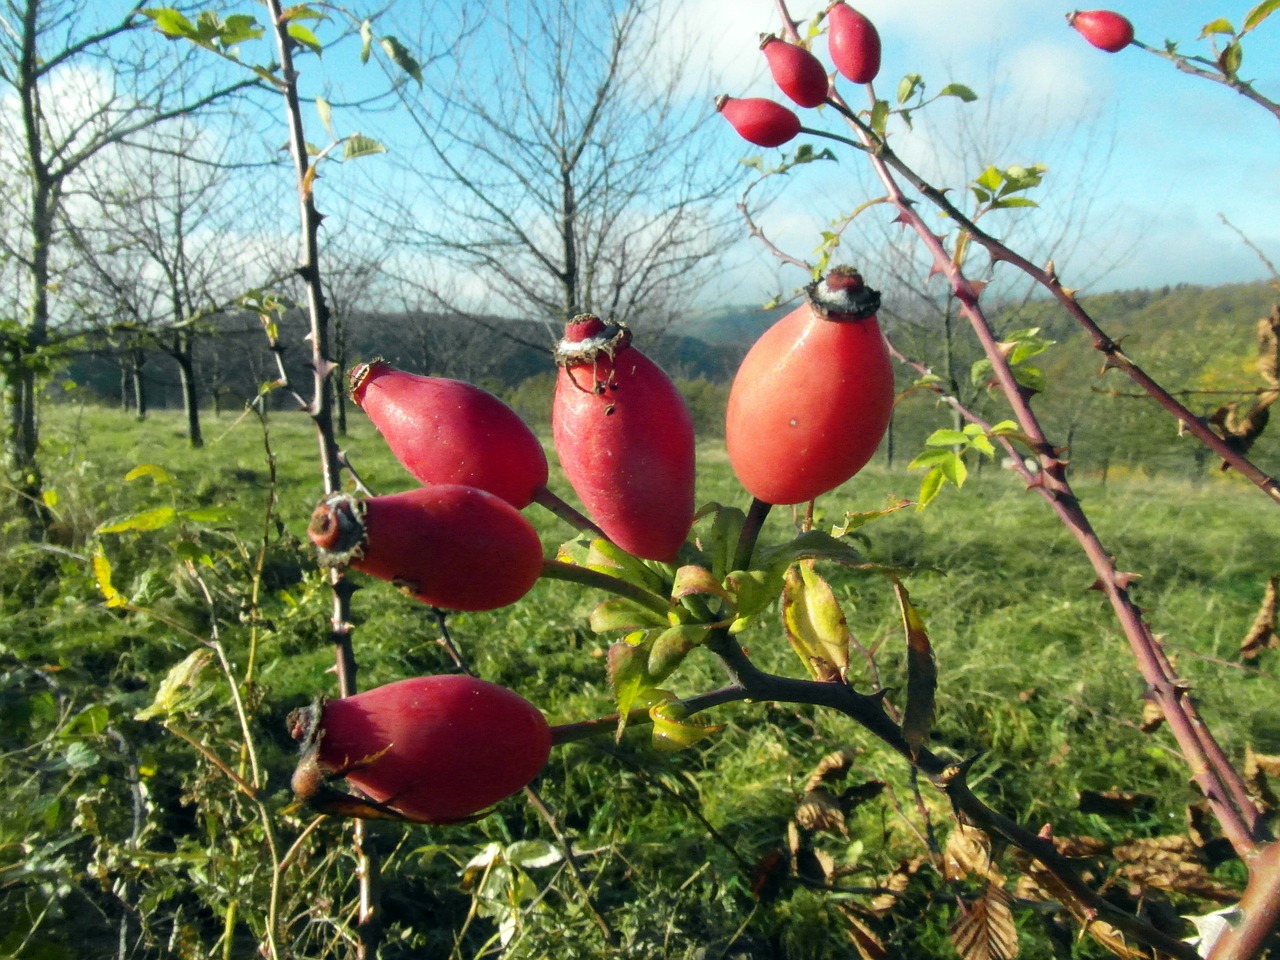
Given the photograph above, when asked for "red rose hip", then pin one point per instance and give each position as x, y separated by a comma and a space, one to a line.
796, 71
454, 547
447, 431
625, 439
763, 122
854, 43
438, 749
811, 400
1105, 29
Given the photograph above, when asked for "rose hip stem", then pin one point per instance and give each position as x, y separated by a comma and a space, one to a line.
545, 497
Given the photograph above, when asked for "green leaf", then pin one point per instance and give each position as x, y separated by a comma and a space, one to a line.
170, 22
1231, 58
670, 647
954, 469
672, 730
931, 458
628, 671
1032, 378
880, 117
238, 28
693, 580
1013, 202
1221, 25
605, 556
930, 486
366, 40
811, 545
981, 373
206, 514
814, 623
618, 613
946, 438
357, 145
990, 178
908, 85
958, 90
922, 674
303, 35
152, 519
158, 474
401, 57
1005, 428
182, 687
754, 592
852, 521
720, 543
1258, 14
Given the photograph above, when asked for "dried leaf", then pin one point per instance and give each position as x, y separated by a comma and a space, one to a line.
1152, 716
985, 930
1269, 347
894, 885
868, 944
968, 853
1257, 768
1263, 632
1115, 803
819, 811
830, 768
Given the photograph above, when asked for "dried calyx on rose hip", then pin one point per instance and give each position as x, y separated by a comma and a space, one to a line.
437, 749
796, 71
451, 546
448, 431
853, 42
758, 120
625, 439
1105, 29
812, 398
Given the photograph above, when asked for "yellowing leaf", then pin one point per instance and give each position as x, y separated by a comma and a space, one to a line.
102, 573
157, 473
181, 687
673, 731
922, 673
814, 623
152, 519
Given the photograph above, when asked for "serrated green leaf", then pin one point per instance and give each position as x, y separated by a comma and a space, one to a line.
357, 146
670, 647
628, 672
930, 486
157, 473
366, 40
692, 580
720, 543
152, 519
1258, 14
922, 674
170, 22
983, 446
853, 521
810, 545
1032, 378
206, 514
401, 57
958, 90
238, 28
946, 438
1221, 25
931, 457
605, 556
990, 179
954, 469
1004, 428
814, 623
980, 374
618, 613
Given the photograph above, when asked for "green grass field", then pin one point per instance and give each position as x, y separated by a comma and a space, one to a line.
120, 838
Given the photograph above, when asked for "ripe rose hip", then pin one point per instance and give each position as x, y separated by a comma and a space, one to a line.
812, 399
438, 749
1105, 29
455, 547
854, 43
757, 120
796, 71
447, 431
625, 439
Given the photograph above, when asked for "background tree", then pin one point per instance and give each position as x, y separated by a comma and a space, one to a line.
83, 80
557, 177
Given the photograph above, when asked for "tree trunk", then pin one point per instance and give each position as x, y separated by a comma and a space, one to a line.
183, 354
139, 385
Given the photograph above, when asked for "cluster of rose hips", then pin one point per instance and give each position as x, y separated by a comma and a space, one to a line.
854, 47
806, 411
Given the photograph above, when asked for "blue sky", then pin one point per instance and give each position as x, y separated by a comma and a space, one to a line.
1154, 155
